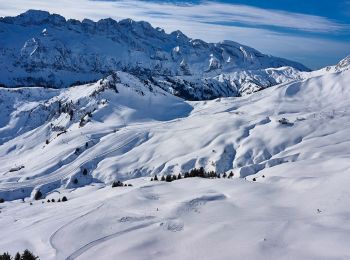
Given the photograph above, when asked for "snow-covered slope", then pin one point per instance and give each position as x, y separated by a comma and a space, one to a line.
122, 128
42, 49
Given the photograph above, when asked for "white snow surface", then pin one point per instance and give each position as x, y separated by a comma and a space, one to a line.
292, 139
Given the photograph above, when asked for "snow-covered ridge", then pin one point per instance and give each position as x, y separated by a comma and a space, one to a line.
42, 49
124, 127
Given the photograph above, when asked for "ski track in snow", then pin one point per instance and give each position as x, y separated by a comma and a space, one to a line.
52, 237
98, 241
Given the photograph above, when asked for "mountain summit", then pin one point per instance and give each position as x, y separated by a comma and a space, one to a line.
42, 49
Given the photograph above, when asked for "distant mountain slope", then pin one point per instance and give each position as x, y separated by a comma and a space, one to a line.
42, 49
122, 127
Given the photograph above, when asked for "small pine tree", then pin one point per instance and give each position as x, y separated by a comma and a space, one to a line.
48, 201
254, 179
224, 175
85, 172
47, 141
86, 145
201, 172
17, 256
53, 200
38, 195
64, 199
117, 184
59, 200
168, 178
151, 179
2, 200
174, 177
75, 181
263, 176
179, 177
5, 256
218, 176
163, 178
71, 114
156, 177
231, 175
27, 255
187, 175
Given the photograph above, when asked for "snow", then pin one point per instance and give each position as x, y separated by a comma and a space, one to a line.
286, 139
292, 139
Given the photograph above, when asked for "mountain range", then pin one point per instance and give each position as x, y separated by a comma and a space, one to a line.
42, 49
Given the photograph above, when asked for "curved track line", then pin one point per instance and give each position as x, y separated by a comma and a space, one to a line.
98, 241
68, 223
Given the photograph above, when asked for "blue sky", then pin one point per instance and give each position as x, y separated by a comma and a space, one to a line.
314, 32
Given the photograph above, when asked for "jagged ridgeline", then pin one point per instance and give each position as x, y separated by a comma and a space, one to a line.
42, 49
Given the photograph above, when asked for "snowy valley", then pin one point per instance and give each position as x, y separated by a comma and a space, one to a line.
282, 130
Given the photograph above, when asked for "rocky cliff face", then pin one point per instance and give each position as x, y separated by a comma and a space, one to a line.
42, 49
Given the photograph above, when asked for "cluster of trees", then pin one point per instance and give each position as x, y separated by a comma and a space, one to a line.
120, 184
201, 173
64, 199
26, 255
38, 195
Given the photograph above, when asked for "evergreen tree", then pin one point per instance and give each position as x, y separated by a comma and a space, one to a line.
254, 179
231, 175
85, 172
174, 177
71, 113
17, 256
218, 176
75, 181
168, 178
179, 177
224, 175
187, 175
117, 184
5, 256
163, 178
64, 199
38, 195
2, 200
201, 172
212, 174
156, 177
27, 255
